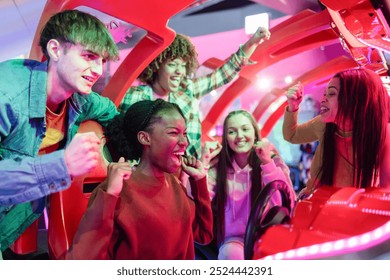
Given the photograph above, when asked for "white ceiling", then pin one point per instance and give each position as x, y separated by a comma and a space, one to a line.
20, 18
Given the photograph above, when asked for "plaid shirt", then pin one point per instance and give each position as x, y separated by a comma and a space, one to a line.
188, 98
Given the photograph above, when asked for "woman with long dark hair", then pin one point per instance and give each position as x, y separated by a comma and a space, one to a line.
244, 165
352, 128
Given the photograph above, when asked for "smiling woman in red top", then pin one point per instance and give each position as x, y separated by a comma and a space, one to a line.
146, 213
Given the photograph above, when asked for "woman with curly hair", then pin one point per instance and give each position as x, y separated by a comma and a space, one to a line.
169, 75
352, 128
145, 213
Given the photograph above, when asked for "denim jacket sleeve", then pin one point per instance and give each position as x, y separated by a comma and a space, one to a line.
90, 107
98, 108
28, 179
23, 176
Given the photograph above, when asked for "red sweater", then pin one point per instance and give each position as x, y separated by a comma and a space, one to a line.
151, 219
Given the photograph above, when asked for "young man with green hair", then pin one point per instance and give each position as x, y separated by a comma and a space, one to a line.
42, 105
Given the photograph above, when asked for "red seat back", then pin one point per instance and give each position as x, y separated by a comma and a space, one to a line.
67, 207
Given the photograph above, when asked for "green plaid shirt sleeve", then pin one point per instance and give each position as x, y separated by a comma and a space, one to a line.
202, 86
222, 75
133, 95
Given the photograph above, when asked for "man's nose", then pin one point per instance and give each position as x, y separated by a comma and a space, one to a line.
97, 67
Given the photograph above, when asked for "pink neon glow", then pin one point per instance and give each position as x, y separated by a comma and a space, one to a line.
337, 247
382, 197
376, 211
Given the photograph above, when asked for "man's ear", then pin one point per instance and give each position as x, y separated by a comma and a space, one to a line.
54, 49
143, 138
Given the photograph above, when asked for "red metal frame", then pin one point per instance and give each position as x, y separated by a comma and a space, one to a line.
361, 27
318, 74
302, 32
67, 207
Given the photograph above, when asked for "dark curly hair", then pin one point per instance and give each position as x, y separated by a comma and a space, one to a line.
181, 47
121, 133
76, 27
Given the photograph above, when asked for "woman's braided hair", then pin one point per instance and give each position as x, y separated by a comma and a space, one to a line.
122, 132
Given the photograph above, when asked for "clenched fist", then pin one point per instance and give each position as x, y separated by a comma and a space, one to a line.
265, 150
260, 35
82, 154
294, 97
116, 173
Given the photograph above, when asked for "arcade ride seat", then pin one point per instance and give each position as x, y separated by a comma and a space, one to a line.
333, 223
67, 207
262, 216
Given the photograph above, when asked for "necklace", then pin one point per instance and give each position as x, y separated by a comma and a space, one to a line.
343, 133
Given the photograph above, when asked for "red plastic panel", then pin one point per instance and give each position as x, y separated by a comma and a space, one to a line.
27, 242
299, 33
67, 207
330, 215
323, 71
341, 5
